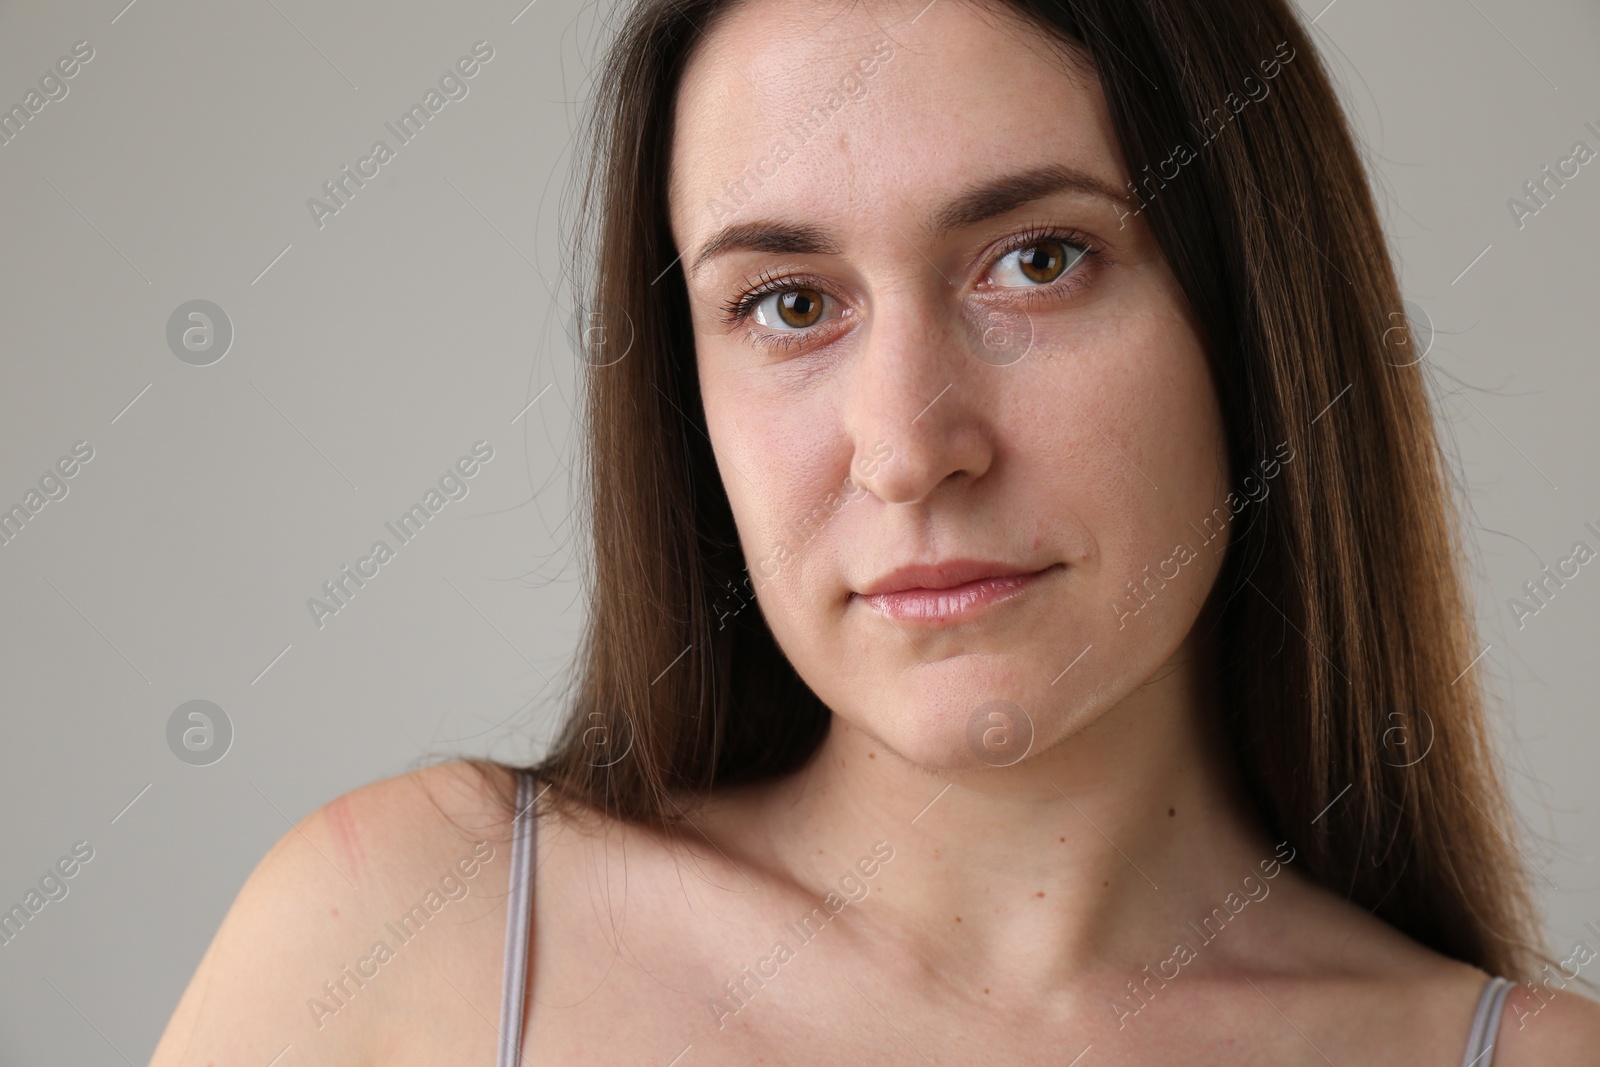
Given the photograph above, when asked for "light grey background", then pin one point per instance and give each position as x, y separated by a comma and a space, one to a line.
369, 354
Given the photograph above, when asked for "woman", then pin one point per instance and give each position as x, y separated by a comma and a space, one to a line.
1029, 630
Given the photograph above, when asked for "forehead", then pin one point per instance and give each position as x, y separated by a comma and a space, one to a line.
797, 109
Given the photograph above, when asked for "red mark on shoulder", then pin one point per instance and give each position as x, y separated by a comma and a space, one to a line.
342, 823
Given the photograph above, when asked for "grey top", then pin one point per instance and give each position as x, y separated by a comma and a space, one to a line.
1486, 1023
519, 920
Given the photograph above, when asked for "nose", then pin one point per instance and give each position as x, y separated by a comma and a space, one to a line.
918, 404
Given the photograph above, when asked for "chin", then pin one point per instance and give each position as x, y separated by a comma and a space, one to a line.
966, 725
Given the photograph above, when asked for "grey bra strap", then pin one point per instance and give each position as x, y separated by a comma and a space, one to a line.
519, 917
1486, 1023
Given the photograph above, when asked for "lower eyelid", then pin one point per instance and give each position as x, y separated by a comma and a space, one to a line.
1071, 282
767, 337
783, 339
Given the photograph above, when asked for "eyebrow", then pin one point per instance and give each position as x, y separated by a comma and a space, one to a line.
988, 199
995, 197
784, 238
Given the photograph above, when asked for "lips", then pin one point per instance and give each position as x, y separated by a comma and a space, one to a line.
949, 590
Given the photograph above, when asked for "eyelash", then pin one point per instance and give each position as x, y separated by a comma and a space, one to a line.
740, 308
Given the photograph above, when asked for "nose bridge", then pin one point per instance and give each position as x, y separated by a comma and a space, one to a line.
914, 404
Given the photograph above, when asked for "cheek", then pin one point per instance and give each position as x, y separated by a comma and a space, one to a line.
1180, 433
1130, 443
785, 485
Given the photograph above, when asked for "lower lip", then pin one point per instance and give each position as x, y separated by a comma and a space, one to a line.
957, 602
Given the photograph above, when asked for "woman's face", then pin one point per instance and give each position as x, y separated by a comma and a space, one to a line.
928, 331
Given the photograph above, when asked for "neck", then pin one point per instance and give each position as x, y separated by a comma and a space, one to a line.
1094, 853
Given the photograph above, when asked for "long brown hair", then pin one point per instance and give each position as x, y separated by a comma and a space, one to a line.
1341, 612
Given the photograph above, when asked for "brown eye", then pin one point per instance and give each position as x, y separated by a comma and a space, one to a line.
797, 308
1043, 262
1039, 262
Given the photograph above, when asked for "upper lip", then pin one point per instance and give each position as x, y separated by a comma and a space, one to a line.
943, 575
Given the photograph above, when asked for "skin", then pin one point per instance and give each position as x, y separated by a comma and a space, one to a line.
1020, 900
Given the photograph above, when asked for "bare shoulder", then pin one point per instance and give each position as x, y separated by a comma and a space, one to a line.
403, 874
1350, 964
1547, 1024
